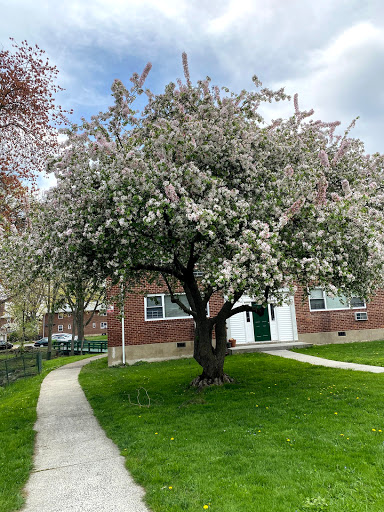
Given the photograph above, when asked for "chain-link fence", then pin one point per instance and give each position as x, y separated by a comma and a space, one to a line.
25, 365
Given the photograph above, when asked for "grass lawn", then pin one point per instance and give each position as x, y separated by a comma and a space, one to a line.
369, 352
17, 418
96, 338
285, 437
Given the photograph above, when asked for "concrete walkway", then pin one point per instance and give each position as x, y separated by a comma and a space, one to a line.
76, 467
320, 361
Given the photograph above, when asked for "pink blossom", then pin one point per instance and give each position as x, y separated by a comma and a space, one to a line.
144, 74
335, 197
296, 103
346, 187
324, 158
170, 192
288, 171
296, 207
321, 192
186, 69
343, 148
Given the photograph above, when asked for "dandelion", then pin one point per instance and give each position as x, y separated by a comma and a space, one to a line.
156, 433
172, 438
205, 507
336, 413
170, 487
288, 440
373, 430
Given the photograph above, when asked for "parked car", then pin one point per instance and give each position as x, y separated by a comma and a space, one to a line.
41, 343
63, 337
4, 345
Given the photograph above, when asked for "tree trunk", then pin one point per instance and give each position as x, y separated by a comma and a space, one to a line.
80, 317
50, 329
72, 353
210, 358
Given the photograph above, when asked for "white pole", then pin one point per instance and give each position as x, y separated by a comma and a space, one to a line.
123, 334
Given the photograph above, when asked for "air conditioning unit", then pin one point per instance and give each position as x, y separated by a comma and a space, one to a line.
361, 316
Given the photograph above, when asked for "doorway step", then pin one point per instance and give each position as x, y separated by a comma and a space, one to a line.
246, 348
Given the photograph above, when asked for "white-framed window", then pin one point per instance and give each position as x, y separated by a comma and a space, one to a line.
103, 325
320, 301
93, 325
60, 328
69, 327
60, 316
160, 307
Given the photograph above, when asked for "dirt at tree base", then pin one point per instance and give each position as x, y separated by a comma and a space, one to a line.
201, 381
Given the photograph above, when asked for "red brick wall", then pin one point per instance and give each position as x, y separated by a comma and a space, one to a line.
138, 331
341, 320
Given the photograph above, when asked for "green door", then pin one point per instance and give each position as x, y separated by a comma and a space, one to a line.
261, 325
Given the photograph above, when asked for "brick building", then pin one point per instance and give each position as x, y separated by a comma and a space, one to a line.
154, 328
63, 322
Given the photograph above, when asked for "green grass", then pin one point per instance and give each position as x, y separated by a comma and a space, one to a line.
17, 418
369, 352
96, 338
286, 436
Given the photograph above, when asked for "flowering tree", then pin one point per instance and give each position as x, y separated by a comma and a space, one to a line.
28, 115
199, 185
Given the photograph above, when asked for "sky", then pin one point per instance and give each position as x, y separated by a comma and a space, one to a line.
330, 52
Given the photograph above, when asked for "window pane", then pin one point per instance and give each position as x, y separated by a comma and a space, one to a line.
357, 302
173, 310
154, 307
337, 302
317, 304
154, 301
155, 312
317, 293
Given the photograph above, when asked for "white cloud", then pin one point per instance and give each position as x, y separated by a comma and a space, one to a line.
343, 80
330, 52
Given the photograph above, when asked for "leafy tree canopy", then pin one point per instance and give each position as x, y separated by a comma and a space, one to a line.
198, 181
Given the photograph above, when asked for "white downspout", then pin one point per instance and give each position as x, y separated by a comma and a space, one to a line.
123, 335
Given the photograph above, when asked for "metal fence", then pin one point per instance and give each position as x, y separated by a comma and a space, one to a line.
14, 368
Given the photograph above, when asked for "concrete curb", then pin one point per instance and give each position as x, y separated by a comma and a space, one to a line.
76, 467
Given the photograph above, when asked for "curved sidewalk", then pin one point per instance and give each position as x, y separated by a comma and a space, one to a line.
320, 361
76, 467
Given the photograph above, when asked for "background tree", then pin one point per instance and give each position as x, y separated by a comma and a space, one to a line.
26, 311
28, 120
199, 182
80, 294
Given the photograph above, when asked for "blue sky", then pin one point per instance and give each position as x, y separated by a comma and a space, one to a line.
331, 52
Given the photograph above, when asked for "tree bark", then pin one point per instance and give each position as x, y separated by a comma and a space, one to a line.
72, 353
79, 314
210, 357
